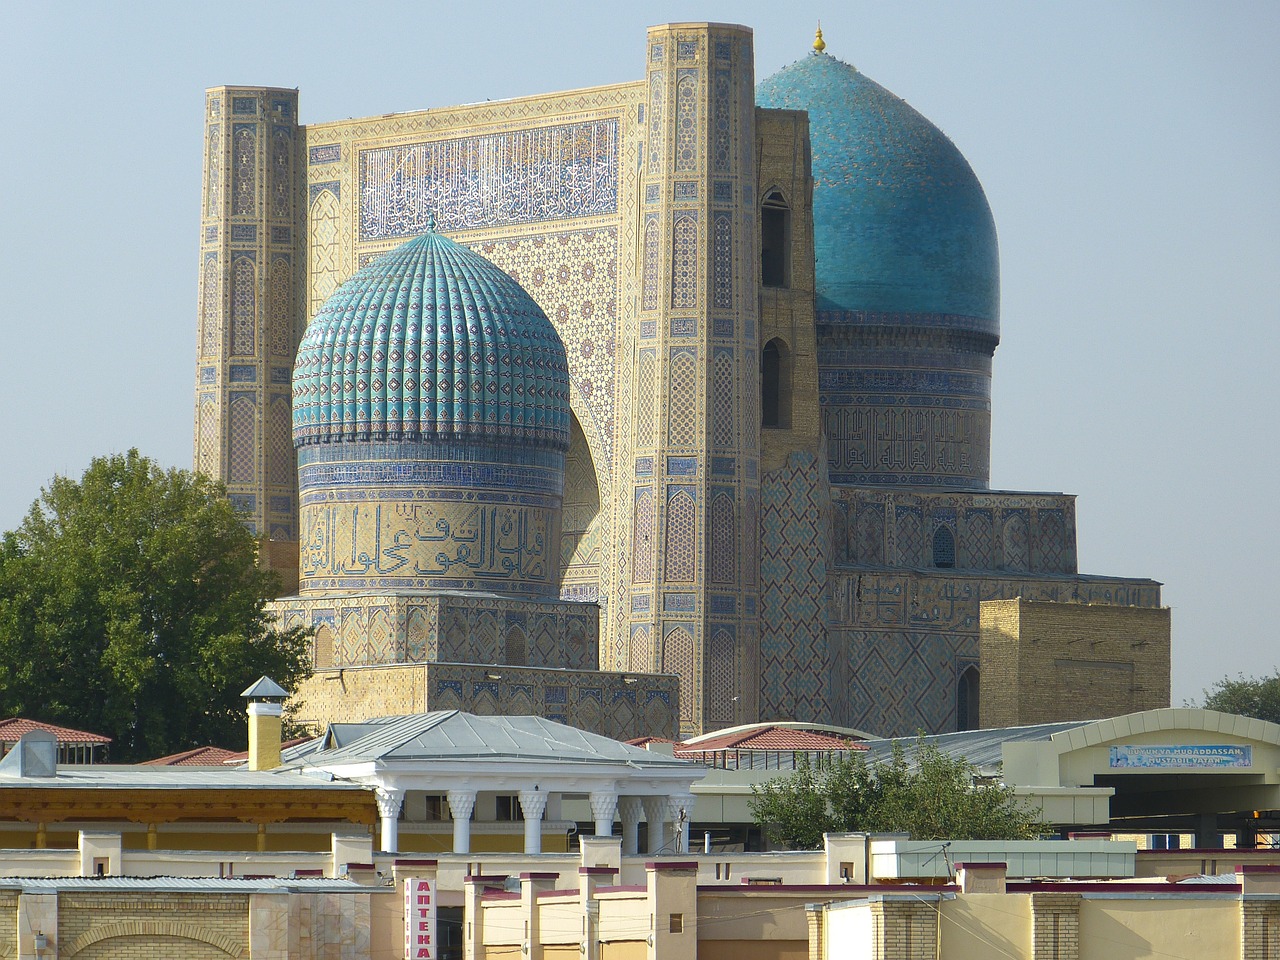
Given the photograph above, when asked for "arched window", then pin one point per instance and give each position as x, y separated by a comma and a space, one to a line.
944, 547
775, 384
967, 699
775, 241
517, 649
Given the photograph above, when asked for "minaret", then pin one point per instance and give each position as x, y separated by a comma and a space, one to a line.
691, 596
249, 322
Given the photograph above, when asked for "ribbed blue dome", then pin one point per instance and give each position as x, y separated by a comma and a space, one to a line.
431, 342
900, 222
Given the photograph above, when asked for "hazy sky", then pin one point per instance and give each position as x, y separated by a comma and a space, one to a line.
1130, 152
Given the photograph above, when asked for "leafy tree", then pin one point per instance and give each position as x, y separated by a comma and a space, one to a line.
131, 604
929, 795
1246, 696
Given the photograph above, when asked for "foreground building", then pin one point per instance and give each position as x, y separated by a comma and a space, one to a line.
756, 454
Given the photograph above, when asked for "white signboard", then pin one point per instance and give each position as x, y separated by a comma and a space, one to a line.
1189, 757
420, 919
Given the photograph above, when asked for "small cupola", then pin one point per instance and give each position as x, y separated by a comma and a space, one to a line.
266, 711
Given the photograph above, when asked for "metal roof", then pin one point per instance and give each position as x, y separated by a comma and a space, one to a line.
981, 748
188, 884
150, 777
454, 736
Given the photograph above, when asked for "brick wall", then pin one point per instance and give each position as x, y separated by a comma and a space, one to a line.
153, 925
1043, 662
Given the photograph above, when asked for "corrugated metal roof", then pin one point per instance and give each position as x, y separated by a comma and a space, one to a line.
15, 727
981, 748
451, 735
107, 777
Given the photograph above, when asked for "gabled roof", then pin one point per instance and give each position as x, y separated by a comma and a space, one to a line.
451, 736
768, 738
13, 728
199, 757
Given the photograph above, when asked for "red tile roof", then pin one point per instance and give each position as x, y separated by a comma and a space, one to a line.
15, 727
212, 756
645, 741
768, 738
199, 757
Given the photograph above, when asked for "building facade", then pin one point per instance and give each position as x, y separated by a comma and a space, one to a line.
778, 304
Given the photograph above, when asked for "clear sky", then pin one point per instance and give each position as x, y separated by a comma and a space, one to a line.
1130, 152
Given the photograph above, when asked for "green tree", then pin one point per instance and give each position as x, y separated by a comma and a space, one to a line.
927, 794
131, 604
1257, 697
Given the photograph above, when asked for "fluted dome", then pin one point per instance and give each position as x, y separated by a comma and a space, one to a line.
431, 342
901, 224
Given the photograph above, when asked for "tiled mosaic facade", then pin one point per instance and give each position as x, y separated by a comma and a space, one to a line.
770, 490
612, 704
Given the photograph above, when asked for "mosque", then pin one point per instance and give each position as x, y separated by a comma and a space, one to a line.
655, 407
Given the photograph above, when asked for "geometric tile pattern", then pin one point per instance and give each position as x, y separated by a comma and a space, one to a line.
795, 660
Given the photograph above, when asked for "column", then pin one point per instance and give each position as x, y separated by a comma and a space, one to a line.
390, 800
630, 809
461, 803
604, 804
655, 814
532, 805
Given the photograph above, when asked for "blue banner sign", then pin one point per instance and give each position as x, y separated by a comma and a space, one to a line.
1191, 757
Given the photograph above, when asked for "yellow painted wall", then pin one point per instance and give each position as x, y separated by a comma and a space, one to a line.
624, 950
1140, 929
980, 926
753, 949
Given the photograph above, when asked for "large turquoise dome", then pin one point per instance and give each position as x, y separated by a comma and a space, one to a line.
431, 342
901, 224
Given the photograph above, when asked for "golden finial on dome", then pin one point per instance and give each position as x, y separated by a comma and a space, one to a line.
818, 43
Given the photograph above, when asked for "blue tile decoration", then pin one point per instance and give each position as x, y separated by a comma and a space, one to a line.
687, 49
244, 106
208, 374
678, 602
211, 233
324, 153
686, 190
722, 327
684, 326
641, 602
244, 231
648, 329
723, 466
330, 186
644, 466
279, 504
652, 193
242, 373
722, 191
724, 605
281, 235
682, 466
281, 375
544, 173
557, 695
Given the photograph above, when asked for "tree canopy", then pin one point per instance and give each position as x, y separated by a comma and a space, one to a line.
132, 604
1257, 697
927, 794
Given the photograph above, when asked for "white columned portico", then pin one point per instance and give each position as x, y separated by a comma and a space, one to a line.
630, 809
604, 804
655, 814
461, 803
532, 805
390, 800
